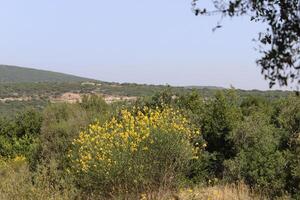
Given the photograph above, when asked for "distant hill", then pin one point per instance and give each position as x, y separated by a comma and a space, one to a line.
22, 87
204, 87
14, 74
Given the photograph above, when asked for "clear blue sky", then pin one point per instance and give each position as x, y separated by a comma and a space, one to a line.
157, 41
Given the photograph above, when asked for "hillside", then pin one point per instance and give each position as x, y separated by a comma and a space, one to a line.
14, 74
21, 87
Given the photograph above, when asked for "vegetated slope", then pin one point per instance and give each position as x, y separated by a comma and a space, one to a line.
14, 74
22, 87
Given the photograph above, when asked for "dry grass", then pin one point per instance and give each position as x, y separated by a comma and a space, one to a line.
17, 184
219, 192
227, 192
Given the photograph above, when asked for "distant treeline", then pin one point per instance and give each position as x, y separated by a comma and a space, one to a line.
41, 92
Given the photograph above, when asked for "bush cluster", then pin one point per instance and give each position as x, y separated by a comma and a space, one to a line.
152, 147
134, 153
250, 139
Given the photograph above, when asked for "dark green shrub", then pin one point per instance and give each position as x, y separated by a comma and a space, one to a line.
18, 136
289, 120
222, 115
252, 104
28, 122
258, 161
60, 126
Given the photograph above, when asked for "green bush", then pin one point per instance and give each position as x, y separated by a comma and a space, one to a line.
96, 107
258, 162
289, 120
18, 136
132, 154
28, 122
217, 117
60, 126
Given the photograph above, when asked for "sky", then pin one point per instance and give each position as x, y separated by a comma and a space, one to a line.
153, 42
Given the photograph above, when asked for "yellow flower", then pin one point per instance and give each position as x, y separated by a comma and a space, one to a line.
143, 197
19, 159
130, 132
190, 190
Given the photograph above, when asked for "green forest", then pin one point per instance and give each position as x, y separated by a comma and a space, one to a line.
157, 147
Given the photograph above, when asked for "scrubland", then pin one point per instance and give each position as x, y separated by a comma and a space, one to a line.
224, 147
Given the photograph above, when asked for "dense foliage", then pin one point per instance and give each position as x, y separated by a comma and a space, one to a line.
152, 147
134, 153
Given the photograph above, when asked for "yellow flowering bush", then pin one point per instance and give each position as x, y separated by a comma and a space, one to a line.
145, 149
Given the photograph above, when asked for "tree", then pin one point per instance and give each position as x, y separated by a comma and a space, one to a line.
280, 43
258, 162
289, 120
222, 115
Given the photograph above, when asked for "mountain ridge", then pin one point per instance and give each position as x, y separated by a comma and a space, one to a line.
17, 74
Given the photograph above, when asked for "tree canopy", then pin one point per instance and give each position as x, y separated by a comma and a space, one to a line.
279, 43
